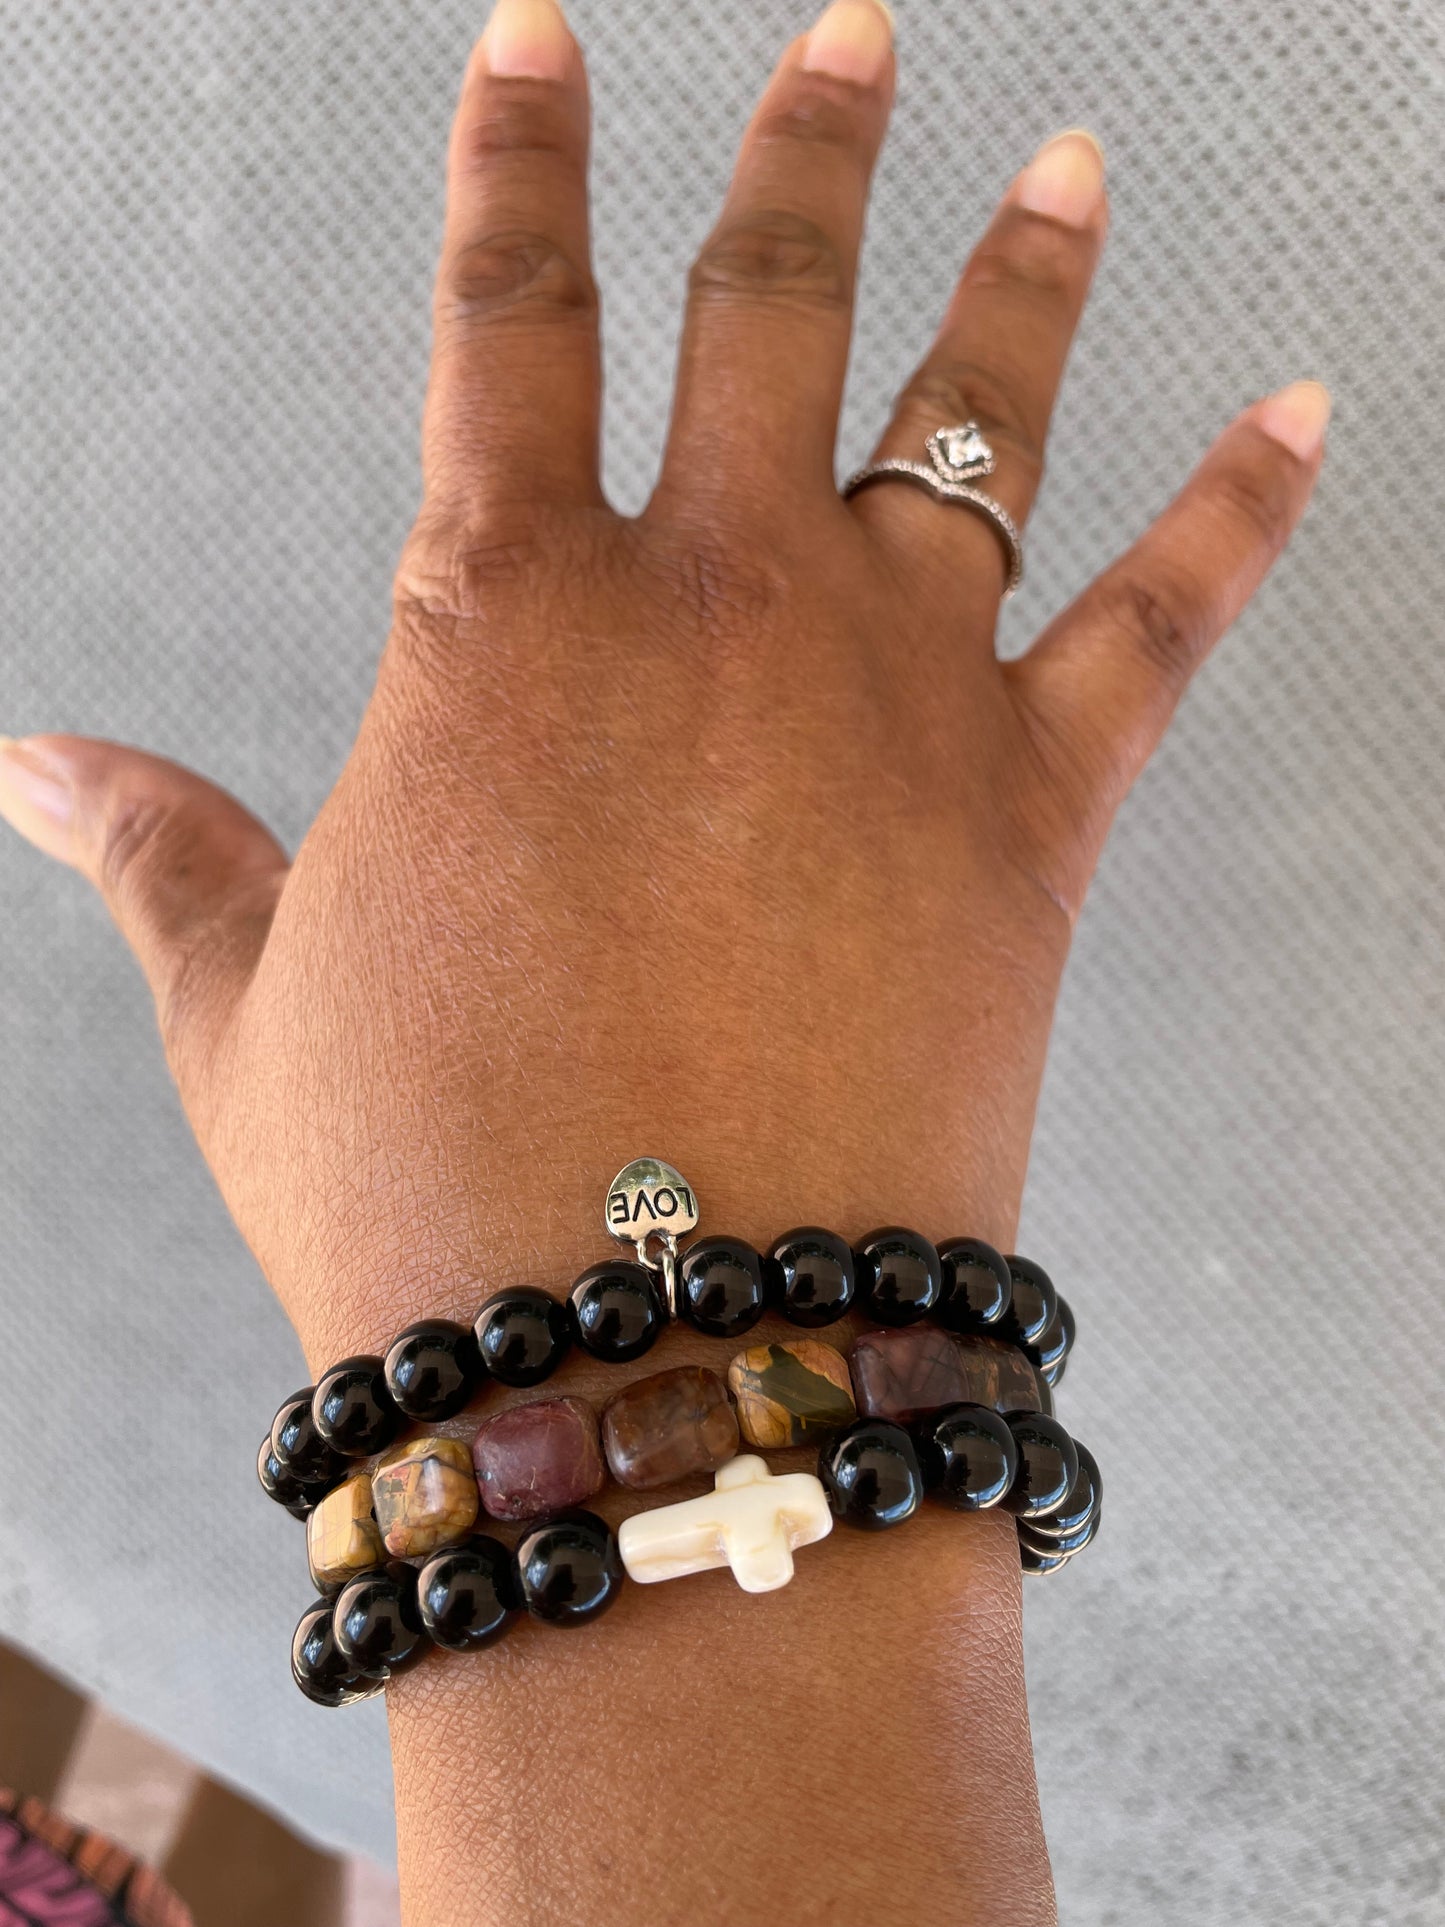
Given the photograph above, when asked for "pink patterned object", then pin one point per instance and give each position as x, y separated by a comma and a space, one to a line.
53, 1874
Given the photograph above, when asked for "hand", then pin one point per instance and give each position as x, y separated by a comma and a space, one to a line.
720, 832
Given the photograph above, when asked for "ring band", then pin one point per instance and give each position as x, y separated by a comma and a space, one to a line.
957, 457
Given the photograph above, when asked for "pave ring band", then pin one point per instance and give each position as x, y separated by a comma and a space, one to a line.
957, 458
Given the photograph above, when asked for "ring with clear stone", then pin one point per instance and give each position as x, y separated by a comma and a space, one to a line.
957, 457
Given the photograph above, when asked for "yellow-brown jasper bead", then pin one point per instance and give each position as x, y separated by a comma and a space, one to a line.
791, 1393
342, 1537
425, 1494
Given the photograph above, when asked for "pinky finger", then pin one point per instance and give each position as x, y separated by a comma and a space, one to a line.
1104, 678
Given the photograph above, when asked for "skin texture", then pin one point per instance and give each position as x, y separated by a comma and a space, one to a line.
718, 833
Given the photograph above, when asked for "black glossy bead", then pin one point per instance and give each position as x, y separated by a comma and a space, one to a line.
299, 1499
810, 1276
378, 1624
1033, 1303
1050, 1544
1064, 1317
977, 1286
1056, 1344
1086, 1495
468, 1594
1032, 1561
299, 1448
900, 1277
720, 1284
871, 1475
318, 1665
1048, 1465
617, 1311
353, 1410
433, 1369
968, 1456
523, 1334
569, 1568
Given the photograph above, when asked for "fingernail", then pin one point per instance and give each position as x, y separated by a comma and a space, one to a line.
851, 41
528, 40
1065, 179
35, 797
1297, 416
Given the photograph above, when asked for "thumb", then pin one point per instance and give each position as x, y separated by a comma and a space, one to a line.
190, 877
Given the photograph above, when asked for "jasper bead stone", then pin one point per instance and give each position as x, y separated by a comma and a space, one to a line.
318, 1665
353, 1410
871, 1475
468, 1595
342, 1536
720, 1287
791, 1393
569, 1569
425, 1496
523, 1334
905, 1375
810, 1276
668, 1426
900, 1277
432, 1370
977, 1285
378, 1625
538, 1458
617, 1311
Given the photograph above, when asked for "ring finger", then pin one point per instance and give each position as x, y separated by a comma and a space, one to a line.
998, 358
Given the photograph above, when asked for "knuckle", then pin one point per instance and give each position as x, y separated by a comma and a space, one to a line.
812, 114
712, 586
1165, 618
1031, 261
515, 270
151, 853
516, 121
144, 843
985, 392
772, 255
452, 579
1259, 495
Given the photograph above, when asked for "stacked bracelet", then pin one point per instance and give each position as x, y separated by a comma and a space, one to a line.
617, 1311
953, 1393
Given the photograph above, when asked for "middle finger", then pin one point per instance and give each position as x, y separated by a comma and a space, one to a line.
765, 340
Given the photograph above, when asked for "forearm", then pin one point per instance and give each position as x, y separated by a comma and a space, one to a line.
853, 1749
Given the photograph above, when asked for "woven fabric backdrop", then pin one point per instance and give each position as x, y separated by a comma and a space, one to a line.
216, 242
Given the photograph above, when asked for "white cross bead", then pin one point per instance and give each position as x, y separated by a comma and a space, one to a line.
750, 1521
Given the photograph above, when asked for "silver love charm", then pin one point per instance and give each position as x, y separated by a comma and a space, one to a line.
649, 1201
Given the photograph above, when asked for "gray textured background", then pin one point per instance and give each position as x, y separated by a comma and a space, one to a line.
216, 238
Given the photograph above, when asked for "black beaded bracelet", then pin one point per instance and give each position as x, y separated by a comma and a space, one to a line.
568, 1569
616, 1311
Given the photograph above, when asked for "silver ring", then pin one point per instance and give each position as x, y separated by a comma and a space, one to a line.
957, 457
